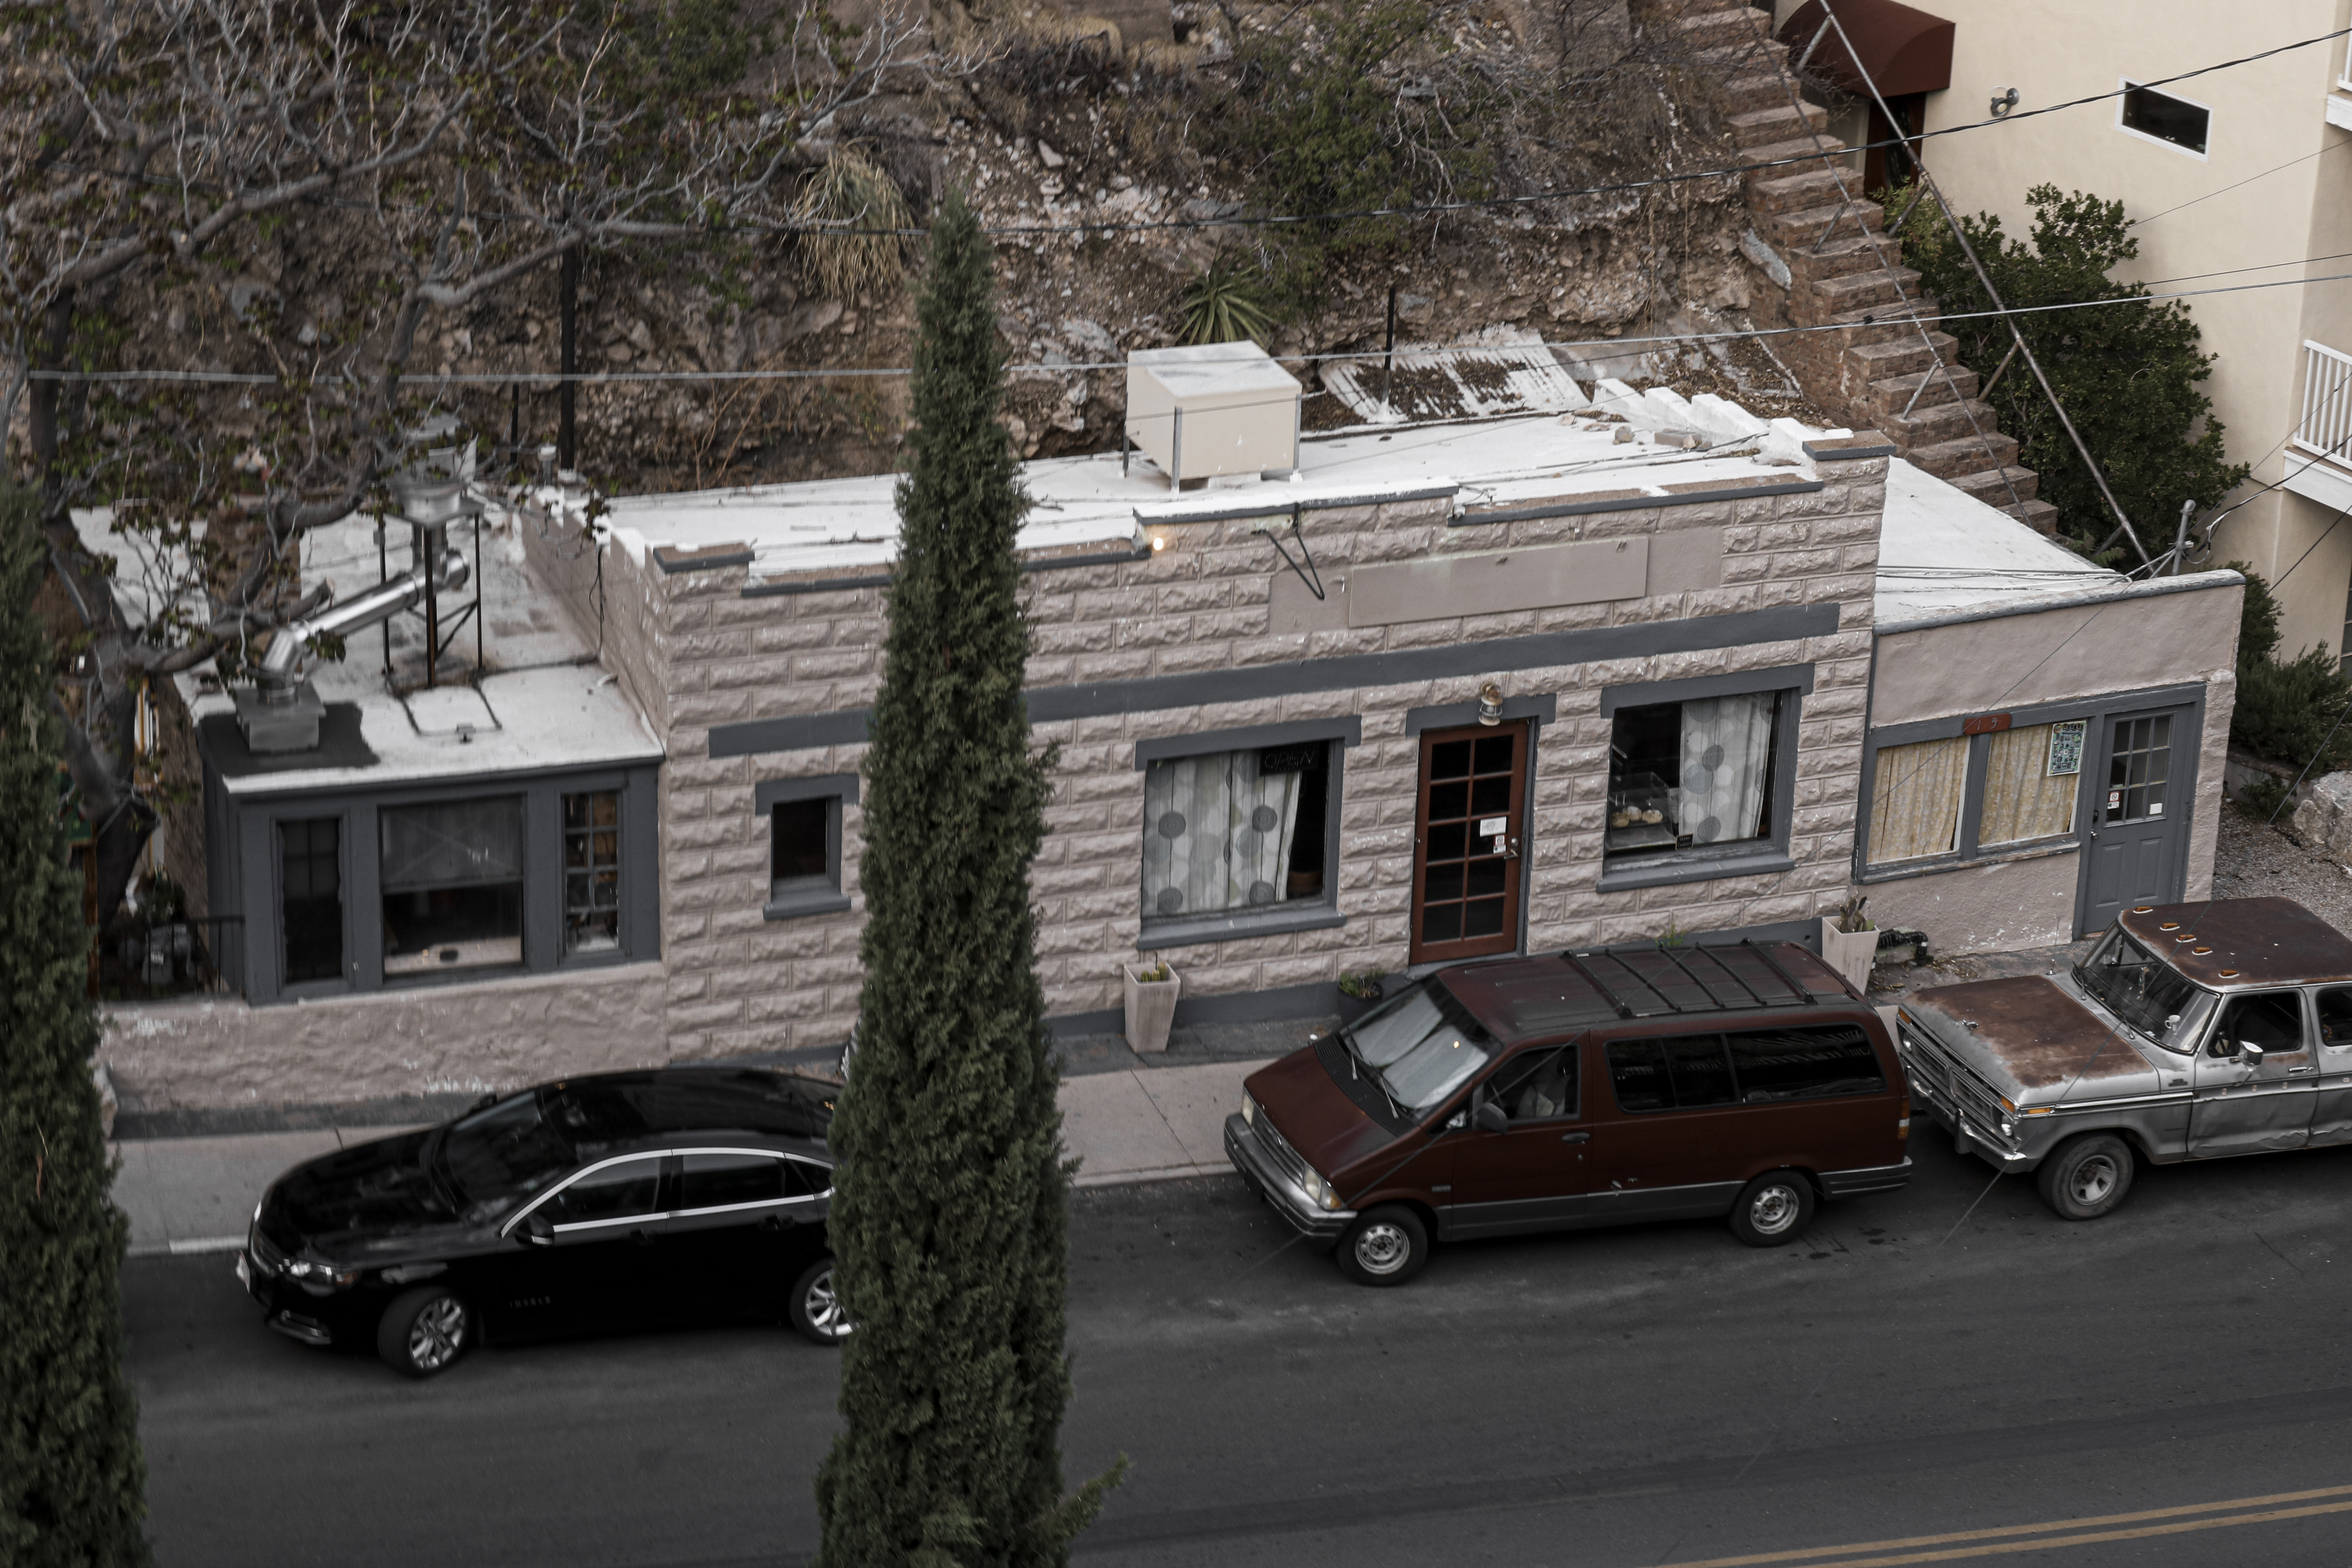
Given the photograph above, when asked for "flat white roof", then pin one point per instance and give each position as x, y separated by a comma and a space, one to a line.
1943, 552
542, 702
851, 525
1214, 370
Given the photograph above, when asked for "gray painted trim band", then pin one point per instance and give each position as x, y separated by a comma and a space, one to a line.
1738, 683
1150, 694
1241, 926
1543, 710
1847, 450
2098, 705
771, 793
1635, 503
672, 565
2155, 587
882, 579
1175, 513
1347, 732
795, 908
1662, 873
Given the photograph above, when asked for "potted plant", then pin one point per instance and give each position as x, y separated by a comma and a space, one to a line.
1849, 941
1359, 991
1151, 994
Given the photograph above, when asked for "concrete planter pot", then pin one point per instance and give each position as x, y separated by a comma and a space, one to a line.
1354, 1007
1150, 1011
1848, 952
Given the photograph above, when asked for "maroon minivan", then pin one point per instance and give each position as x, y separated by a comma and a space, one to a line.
1559, 1092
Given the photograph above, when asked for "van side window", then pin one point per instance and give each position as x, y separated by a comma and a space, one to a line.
1677, 1073
2334, 1008
1536, 1086
1805, 1064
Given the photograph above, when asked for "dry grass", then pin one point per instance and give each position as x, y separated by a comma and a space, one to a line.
851, 192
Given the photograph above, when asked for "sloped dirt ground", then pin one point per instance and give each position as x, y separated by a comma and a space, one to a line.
2259, 861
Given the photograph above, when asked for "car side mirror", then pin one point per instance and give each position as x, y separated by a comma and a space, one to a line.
1490, 1118
537, 1229
2251, 1052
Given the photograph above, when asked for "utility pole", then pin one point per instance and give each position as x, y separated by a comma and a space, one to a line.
567, 440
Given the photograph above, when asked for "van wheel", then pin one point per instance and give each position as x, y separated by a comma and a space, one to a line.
2087, 1176
1772, 1209
1386, 1246
422, 1331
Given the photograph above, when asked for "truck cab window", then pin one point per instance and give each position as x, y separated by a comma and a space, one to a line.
2273, 1020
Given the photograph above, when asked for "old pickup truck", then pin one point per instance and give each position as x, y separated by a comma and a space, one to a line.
2192, 1032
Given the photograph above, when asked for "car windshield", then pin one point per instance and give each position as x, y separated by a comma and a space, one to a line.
1420, 1047
2152, 997
503, 1152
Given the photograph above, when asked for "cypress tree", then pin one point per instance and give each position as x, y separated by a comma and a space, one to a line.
72, 1476
948, 1223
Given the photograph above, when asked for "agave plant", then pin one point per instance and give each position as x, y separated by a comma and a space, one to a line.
1222, 306
851, 192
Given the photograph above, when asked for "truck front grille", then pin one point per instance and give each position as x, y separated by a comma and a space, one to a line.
1952, 1084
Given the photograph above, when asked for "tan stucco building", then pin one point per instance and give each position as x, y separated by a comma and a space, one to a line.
2231, 178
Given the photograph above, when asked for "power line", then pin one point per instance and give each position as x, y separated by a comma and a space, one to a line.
506, 378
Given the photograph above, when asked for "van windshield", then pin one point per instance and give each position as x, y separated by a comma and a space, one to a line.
2151, 997
1420, 1047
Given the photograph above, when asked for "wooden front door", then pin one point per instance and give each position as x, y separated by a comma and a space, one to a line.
1466, 843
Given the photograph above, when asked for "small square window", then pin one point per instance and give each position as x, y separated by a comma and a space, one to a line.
804, 821
1234, 832
2166, 119
592, 872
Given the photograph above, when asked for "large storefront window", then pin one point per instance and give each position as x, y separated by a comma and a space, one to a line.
1237, 830
452, 880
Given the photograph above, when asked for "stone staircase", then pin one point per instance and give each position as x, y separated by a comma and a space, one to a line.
1843, 270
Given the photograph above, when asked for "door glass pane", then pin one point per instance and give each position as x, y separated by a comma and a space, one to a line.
310, 898
1915, 800
2334, 1009
617, 1192
719, 1181
2138, 768
1702, 1073
592, 871
2024, 798
2273, 1020
452, 874
1637, 1072
1466, 829
1536, 1086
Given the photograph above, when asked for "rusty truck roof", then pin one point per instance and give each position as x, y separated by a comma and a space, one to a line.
2232, 944
1558, 994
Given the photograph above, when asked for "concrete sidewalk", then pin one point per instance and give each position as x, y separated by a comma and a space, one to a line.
1125, 1121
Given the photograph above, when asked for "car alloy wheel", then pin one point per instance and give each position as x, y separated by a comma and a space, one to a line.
424, 1330
815, 1307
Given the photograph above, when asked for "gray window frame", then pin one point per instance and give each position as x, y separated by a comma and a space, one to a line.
1320, 914
247, 877
836, 790
1748, 858
2096, 712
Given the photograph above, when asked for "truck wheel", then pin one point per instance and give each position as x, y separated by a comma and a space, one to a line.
422, 1331
2087, 1176
1386, 1246
814, 1306
1772, 1209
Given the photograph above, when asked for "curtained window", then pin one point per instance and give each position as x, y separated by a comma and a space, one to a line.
1686, 776
1230, 831
2029, 779
1915, 799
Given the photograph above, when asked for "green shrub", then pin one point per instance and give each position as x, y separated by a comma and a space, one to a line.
2285, 712
1222, 306
2261, 798
2258, 622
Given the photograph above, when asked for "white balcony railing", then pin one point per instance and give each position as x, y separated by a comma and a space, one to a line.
2326, 428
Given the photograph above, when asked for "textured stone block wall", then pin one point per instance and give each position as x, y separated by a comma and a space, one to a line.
739, 982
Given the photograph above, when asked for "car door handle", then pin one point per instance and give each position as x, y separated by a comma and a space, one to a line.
2296, 1072
1576, 1137
643, 1237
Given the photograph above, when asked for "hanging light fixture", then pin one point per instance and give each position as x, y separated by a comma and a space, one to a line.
1490, 703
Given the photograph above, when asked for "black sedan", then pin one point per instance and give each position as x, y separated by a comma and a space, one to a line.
596, 1203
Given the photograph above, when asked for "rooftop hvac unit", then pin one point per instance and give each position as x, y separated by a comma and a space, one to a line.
1212, 408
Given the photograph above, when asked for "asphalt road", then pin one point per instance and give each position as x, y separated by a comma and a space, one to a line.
1951, 1360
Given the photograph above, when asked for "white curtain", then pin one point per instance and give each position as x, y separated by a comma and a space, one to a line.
1916, 798
1726, 758
1217, 834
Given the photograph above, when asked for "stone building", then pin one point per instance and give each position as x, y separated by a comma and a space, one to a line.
1431, 694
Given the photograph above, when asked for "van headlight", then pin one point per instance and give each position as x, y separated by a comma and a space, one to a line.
1320, 1193
1249, 1109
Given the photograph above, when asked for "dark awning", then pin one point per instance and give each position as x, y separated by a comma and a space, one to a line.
1904, 50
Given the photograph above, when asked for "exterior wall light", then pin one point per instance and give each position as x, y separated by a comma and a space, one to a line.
2003, 101
1490, 703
